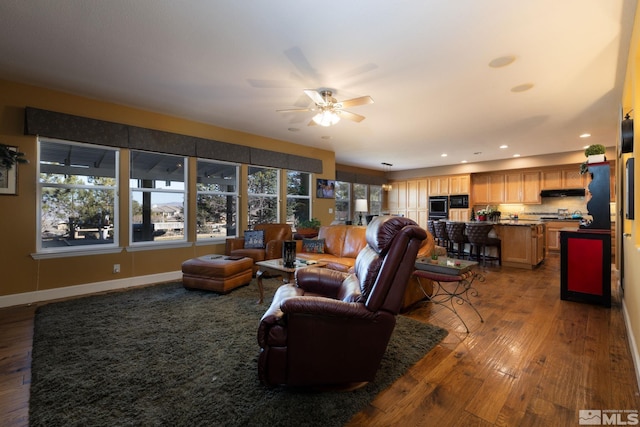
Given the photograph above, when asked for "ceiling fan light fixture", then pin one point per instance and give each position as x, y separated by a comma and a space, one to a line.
326, 118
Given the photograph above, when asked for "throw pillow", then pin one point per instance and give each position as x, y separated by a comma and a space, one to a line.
314, 246
254, 239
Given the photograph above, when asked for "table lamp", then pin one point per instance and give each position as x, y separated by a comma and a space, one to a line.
361, 206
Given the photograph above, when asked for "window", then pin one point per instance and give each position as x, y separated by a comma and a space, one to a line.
298, 197
262, 195
343, 200
78, 204
375, 199
157, 185
217, 200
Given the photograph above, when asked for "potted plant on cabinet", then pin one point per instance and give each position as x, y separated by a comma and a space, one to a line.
594, 154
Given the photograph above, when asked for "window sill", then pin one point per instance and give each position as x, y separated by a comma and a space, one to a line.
80, 251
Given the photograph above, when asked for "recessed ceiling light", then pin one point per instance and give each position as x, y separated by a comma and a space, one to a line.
502, 61
522, 88
585, 147
516, 155
585, 135
504, 146
443, 155
464, 161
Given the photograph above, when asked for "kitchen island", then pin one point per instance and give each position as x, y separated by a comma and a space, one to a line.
523, 242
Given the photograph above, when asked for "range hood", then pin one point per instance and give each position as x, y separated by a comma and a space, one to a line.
566, 192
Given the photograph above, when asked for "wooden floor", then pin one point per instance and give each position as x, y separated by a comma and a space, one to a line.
536, 360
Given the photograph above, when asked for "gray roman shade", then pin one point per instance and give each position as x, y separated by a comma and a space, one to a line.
74, 128
82, 129
359, 178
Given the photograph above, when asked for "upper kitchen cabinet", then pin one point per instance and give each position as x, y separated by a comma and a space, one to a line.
488, 189
568, 177
459, 184
522, 187
439, 186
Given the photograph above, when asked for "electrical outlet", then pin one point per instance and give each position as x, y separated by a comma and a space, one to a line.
330, 210
116, 268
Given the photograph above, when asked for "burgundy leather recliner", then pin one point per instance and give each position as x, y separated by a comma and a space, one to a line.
332, 328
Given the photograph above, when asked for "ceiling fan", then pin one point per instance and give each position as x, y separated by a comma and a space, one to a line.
329, 110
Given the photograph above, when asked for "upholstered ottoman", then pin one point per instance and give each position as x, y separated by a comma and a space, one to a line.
216, 273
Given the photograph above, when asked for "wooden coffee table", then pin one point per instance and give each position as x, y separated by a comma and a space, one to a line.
275, 267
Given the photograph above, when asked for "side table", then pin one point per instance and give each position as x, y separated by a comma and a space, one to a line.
276, 267
459, 294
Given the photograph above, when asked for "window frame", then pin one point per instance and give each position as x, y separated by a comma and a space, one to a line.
235, 194
275, 196
145, 244
89, 249
307, 197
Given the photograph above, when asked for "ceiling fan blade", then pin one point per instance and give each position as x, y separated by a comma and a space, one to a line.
363, 100
315, 96
350, 116
294, 110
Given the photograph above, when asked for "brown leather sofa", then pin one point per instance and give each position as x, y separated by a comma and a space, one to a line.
344, 242
332, 328
274, 235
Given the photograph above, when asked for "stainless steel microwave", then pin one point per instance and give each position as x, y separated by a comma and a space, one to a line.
459, 201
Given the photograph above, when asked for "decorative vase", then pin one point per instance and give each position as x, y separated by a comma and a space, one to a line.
289, 253
596, 158
482, 217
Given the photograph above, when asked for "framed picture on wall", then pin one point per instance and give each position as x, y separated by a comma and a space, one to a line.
8, 178
325, 189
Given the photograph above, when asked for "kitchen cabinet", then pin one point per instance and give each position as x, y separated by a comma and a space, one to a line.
585, 266
553, 233
439, 186
522, 187
480, 190
461, 215
488, 189
568, 177
459, 184
522, 244
417, 194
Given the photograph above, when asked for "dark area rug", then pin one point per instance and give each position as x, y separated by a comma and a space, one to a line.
163, 355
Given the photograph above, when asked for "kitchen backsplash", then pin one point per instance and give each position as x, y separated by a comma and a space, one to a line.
549, 207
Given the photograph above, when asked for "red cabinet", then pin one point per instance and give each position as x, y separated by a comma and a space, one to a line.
585, 272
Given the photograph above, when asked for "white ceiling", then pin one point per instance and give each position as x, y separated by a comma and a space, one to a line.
424, 62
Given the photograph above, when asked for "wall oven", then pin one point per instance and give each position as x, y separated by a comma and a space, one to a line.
438, 207
459, 202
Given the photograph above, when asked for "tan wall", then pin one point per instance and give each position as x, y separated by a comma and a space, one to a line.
631, 228
21, 273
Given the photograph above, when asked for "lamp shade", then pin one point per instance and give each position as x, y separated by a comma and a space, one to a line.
361, 205
326, 118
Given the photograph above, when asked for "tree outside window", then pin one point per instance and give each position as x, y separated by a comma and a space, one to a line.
298, 197
343, 201
217, 200
262, 197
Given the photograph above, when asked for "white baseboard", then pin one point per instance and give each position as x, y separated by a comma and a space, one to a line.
89, 288
632, 343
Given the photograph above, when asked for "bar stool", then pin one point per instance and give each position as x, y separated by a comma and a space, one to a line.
431, 228
441, 234
455, 231
478, 235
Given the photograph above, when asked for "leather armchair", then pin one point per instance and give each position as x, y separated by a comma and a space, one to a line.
274, 235
332, 328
